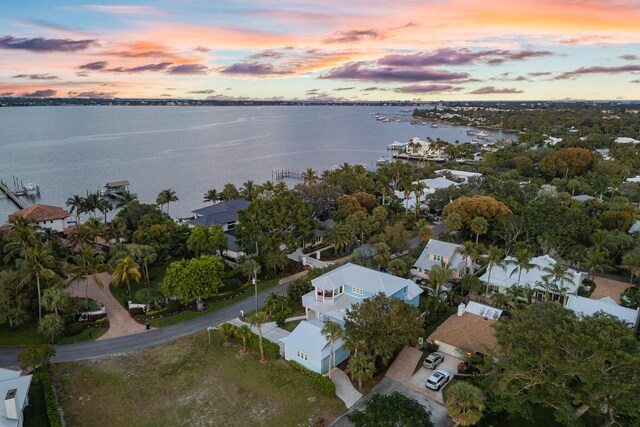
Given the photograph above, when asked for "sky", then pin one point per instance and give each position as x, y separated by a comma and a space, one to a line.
358, 50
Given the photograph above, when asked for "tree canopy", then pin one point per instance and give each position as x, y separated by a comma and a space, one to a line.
394, 410
194, 279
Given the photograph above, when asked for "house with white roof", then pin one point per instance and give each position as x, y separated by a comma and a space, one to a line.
635, 227
333, 293
588, 307
437, 252
462, 176
506, 275
626, 140
14, 388
430, 187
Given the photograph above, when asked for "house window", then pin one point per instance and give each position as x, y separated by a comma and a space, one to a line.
357, 291
340, 289
493, 289
323, 295
437, 258
302, 355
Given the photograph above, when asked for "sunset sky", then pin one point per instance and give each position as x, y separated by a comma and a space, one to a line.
322, 49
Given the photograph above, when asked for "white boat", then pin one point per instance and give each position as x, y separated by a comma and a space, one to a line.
383, 161
434, 125
396, 145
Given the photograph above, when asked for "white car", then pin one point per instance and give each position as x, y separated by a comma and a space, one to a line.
433, 360
437, 380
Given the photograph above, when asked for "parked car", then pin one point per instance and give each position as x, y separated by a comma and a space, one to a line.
437, 379
433, 360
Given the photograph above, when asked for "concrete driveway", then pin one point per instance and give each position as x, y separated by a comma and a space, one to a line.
450, 364
439, 415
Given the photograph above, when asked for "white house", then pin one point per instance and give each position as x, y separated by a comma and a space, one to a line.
424, 149
14, 388
635, 227
626, 140
506, 275
333, 293
462, 176
45, 216
435, 253
588, 307
430, 187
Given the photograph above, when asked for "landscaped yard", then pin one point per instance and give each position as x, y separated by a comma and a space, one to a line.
290, 326
27, 335
190, 382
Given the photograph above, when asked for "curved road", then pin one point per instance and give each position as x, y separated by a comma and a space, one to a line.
93, 349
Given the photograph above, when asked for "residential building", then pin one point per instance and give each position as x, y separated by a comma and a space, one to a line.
635, 227
582, 198
425, 149
462, 176
430, 187
469, 331
45, 216
437, 252
14, 389
225, 215
333, 293
506, 275
626, 140
588, 307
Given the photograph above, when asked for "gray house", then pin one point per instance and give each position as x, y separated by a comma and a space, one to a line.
225, 215
437, 252
14, 389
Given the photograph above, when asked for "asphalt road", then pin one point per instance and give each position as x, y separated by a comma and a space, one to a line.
94, 349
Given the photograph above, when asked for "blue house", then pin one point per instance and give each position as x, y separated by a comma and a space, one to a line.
333, 293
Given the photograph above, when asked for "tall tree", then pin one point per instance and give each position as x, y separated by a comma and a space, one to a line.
211, 196
257, 319
87, 263
465, 403
332, 331
125, 271
37, 263
207, 240
438, 276
595, 260
522, 261
104, 206
479, 225
194, 279
361, 367
393, 410
76, 204
309, 177
55, 299
340, 236
469, 252
248, 190
51, 325
495, 258
144, 255
123, 199
229, 192
251, 269
166, 197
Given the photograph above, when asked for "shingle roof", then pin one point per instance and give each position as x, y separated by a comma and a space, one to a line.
220, 213
364, 278
41, 213
467, 332
588, 307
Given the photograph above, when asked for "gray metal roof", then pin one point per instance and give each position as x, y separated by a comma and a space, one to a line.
588, 307
10, 380
308, 337
443, 249
364, 278
220, 213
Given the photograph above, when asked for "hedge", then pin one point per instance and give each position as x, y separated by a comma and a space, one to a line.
320, 382
271, 350
49, 398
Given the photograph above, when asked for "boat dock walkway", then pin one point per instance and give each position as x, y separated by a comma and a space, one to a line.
12, 195
280, 174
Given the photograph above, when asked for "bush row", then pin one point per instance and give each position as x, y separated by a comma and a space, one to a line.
49, 398
271, 350
76, 328
230, 294
320, 382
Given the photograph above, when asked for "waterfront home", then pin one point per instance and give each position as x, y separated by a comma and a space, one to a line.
430, 186
437, 252
461, 176
469, 331
45, 216
333, 293
506, 275
225, 215
588, 307
14, 388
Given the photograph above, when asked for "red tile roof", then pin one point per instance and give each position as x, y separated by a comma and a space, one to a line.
41, 213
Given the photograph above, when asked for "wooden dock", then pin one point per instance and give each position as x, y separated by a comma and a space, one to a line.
12, 196
280, 174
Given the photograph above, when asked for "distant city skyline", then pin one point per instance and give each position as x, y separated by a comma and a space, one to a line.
322, 50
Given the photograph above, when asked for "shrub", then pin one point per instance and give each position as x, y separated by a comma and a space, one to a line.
135, 311
74, 329
323, 384
35, 356
49, 398
271, 350
281, 316
430, 347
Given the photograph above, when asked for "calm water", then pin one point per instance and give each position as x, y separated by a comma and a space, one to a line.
69, 150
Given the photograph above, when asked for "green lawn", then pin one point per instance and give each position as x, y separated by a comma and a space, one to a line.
189, 382
27, 335
188, 314
290, 326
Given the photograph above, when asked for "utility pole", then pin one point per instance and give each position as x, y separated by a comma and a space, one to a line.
255, 285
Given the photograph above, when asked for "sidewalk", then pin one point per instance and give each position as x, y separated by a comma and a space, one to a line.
344, 389
270, 331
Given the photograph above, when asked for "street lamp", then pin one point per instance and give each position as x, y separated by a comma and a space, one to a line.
255, 285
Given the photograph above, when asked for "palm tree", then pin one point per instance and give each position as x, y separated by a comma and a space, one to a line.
228, 331
38, 263
281, 188
438, 276
125, 198
407, 188
418, 191
211, 196
494, 257
424, 231
309, 176
87, 262
465, 403
144, 255
91, 202
244, 332
559, 272
76, 204
257, 319
522, 261
22, 236
469, 251
104, 206
271, 302
500, 300
251, 269
515, 292
397, 170
595, 261
52, 325
361, 367
479, 225
631, 260
94, 228
125, 271
55, 299
248, 190
165, 197
340, 236
331, 331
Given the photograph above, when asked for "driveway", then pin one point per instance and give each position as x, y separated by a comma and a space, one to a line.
439, 415
449, 364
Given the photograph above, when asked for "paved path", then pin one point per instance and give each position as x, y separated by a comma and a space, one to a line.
402, 371
108, 347
344, 388
309, 259
607, 287
120, 322
270, 331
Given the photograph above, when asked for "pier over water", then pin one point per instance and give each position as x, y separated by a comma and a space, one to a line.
12, 195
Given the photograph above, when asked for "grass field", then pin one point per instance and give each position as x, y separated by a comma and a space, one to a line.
190, 382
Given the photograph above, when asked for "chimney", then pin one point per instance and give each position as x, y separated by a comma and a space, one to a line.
461, 309
11, 405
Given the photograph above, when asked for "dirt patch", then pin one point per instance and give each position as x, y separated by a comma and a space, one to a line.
609, 288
